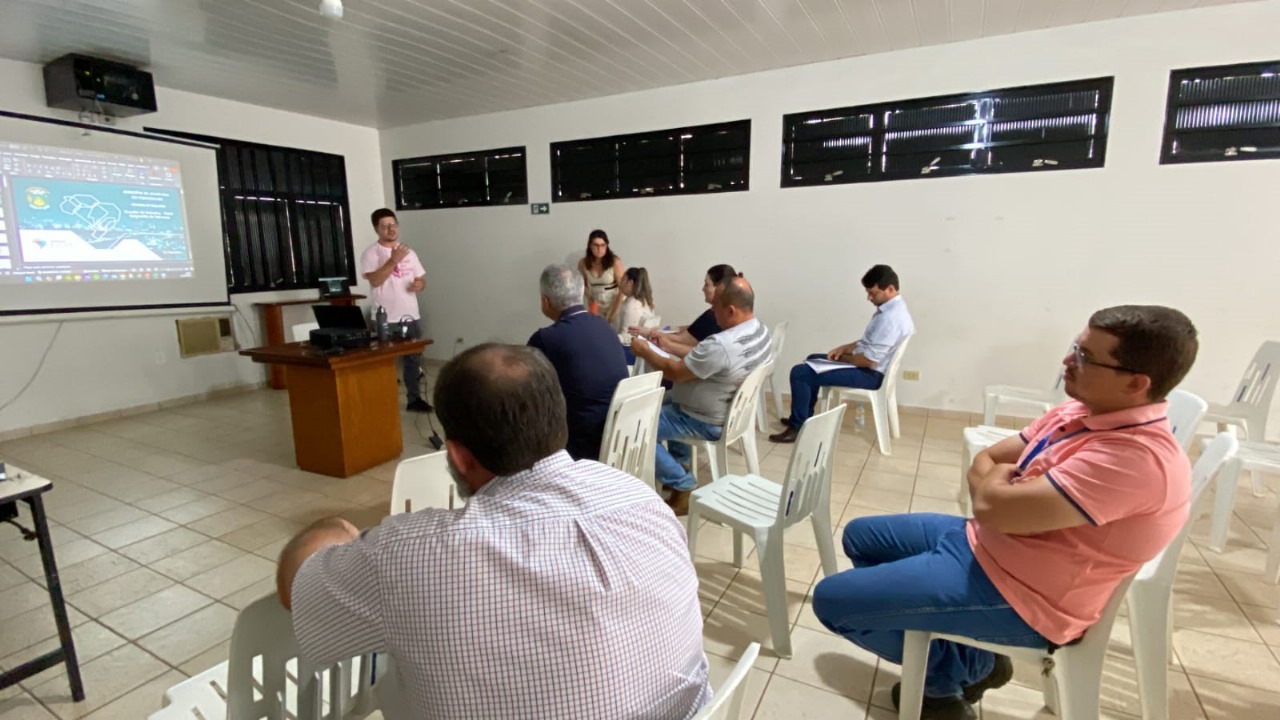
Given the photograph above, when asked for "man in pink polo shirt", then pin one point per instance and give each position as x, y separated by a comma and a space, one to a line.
396, 276
1063, 512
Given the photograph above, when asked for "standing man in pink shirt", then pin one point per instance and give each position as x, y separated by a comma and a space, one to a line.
1063, 512
396, 276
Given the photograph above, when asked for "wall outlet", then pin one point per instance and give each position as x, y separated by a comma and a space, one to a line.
910, 374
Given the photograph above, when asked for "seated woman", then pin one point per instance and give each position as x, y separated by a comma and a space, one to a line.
636, 308
680, 341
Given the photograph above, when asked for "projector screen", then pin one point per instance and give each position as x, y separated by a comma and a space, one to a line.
95, 219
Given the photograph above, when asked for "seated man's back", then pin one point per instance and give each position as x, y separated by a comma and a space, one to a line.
563, 591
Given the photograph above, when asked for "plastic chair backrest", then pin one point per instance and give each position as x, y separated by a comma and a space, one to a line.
742, 409
633, 434
423, 482
1185, 412
809, 470
1099, 634
1163, 567
302, 331
1253, 397
777, 338
726, 704
891, 372
263, 635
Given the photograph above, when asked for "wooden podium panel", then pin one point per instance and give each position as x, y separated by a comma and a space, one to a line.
345, 408
273, 324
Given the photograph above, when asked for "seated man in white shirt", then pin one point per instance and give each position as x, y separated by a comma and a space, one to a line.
705, 382
562, 589
868, 356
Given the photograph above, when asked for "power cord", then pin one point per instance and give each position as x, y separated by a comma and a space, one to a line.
434, 441
44, 356
248, 326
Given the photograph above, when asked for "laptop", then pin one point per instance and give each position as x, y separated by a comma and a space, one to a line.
345, 317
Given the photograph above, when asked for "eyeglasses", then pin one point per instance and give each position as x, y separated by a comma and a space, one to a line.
599, 244
1081, 361
388, 226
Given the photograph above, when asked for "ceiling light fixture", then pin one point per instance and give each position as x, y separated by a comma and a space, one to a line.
331, 9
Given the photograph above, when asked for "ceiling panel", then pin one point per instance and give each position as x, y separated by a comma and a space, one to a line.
396, 62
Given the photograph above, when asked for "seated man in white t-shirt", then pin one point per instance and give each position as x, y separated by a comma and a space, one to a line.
396, 276
705, 381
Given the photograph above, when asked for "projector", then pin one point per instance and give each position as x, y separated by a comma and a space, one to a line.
328, 338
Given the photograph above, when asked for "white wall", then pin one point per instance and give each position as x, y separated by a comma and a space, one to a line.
102, 365
1000, 272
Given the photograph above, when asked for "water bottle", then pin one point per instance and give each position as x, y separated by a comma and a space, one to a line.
860, 415
380, 320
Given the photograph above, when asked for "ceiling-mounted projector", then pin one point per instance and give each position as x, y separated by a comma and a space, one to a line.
331, 9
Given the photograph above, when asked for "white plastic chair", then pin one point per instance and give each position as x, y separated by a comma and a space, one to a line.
263, 678
976, 439
737, 428
631, 433
777, 337
1258, 458
1072, 674
752, 504
1251, 403
1151, 594
726, 704
640, 367
423, 482
302, 331
1186, 410
884, 402
1041, 399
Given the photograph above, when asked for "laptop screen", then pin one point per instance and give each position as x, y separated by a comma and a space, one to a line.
348, 317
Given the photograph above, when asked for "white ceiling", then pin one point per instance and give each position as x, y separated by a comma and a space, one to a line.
397, 62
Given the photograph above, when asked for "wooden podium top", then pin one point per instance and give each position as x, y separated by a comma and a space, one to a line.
312, 301
306, 354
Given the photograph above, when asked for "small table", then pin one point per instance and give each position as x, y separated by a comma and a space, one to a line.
345, 407
29, 488
273, 323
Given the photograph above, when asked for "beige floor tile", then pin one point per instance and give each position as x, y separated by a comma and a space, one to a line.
1250, 589
15, 704
892, 464
92, 640
105, 679
163, 545
184, 639
267, 530
21, 598
885, 501
235, 575
26, 629
140, 702
887, 675
10, 577
1227, 659
242, 597
746, 592
830, 662
196, 510
718, 670
886, 481
1266, 621
920, 504
786, 699
247, 493
207, 659
93, 571
155, 611
728, 631
272, 550
1199, 580
227, 521
715, 542
801, 564
105, 521
119, 591
64, 554
940, 456
1217, 616
171, 499
1228, 701
197, 559
133, 532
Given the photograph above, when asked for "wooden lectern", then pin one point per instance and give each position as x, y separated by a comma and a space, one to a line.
345, 407
273, 324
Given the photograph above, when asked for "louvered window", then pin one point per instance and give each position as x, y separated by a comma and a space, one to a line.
681, 161
1028, 129
1223, 113
486, 177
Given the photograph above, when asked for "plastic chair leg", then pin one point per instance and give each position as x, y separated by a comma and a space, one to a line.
966, 502
777, 398
1223, 503
739, 553
894, 425
1273, 555
1149, 628
1079, 683
880, 414
915, 659
774, 579
822, 535
989, 404
692, 520
762, 415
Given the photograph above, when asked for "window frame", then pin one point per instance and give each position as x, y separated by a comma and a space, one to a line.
485, 156
1170, 134
878, 130
628, 143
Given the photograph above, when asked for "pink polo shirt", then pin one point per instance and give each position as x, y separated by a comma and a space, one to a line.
1129, 478
393, 294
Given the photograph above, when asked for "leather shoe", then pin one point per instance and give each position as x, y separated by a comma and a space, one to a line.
678, 501
786, 436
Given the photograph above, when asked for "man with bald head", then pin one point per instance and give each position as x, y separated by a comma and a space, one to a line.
704, 383
563, 589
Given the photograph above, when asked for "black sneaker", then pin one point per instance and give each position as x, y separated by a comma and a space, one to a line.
950, 708
419, 405
999, 676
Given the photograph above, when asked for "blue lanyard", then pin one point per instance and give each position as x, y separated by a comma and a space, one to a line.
1045, 444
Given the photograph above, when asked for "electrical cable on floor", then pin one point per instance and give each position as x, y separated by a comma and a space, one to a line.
44, 356
434, 441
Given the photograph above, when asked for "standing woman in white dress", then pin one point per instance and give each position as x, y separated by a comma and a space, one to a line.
601, 270
636, 308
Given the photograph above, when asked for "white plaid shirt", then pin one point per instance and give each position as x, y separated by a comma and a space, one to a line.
565, 591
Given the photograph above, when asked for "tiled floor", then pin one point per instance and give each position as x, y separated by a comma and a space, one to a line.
169, 522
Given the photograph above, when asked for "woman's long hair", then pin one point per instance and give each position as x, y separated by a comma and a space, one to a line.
641, 289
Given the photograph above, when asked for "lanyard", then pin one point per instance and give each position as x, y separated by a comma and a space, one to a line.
1045, 444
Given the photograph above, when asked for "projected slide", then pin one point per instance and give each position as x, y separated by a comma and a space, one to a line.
74, 216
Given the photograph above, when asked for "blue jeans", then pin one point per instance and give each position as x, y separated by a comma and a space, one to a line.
805, 383
917, 572
669, 466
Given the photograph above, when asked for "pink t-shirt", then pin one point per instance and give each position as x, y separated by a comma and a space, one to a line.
1128, 476
394, 294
